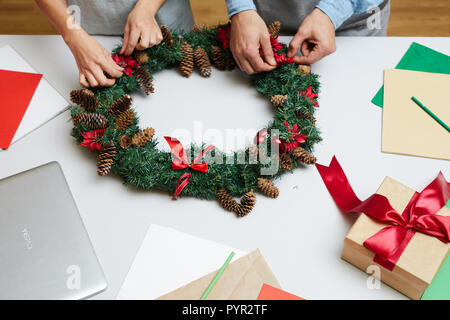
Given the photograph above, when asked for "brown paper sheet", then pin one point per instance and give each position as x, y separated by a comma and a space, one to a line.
241, 280
407, 129
419, 262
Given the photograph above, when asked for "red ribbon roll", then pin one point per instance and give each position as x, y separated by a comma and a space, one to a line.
180, 161
419, 215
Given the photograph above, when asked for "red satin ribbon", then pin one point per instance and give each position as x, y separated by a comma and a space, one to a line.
419, 215
180, 161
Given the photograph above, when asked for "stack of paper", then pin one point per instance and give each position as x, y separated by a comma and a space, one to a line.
241, 280
169, 259
419, 58
27, 100
407, 128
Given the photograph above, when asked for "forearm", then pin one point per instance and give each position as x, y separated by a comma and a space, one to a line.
236, 6
340, 11
151, 6
56, 11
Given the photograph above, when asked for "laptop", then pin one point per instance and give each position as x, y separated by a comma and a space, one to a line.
45, 252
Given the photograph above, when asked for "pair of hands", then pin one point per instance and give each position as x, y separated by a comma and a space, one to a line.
94, 61
315, 38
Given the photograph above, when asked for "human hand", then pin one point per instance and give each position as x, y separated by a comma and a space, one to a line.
92, 59
142, 30
248, 34
315, 37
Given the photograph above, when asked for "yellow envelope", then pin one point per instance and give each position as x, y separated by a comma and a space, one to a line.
407, 129
241, 280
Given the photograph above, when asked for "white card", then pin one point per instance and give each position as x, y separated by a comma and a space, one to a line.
46, 103
169, 259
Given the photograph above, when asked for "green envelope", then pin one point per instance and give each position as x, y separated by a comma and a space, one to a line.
419, 58
439, 288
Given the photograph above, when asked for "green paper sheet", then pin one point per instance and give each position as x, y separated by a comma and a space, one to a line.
419, 58
439, 289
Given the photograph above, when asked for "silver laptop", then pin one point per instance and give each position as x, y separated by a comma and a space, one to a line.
45, 252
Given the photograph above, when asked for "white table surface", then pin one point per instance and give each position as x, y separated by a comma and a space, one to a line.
301, 233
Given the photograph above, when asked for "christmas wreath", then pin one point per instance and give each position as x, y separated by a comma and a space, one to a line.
105, 122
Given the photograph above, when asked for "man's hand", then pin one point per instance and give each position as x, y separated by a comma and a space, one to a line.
248, 34
315, 37
92, 59
142, 30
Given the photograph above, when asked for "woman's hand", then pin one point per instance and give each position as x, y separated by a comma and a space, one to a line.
92, 59
142, 30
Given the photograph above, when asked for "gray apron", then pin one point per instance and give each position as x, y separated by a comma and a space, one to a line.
291, 13
108, 17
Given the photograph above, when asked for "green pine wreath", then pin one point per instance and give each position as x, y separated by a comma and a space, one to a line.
105, 121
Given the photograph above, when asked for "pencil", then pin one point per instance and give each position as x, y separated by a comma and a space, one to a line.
219, 273
435, 117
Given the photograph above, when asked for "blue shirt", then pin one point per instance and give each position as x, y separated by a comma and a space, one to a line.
337, 10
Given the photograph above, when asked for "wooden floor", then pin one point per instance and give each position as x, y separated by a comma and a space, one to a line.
408, 17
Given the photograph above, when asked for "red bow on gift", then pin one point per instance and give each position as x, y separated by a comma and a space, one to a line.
419, 215
180, 161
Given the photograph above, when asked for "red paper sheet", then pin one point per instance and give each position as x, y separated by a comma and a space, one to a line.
16, 91
270, 293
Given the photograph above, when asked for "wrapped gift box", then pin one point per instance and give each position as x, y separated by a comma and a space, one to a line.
419, 262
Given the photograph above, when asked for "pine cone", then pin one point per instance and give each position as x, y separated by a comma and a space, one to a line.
144, 78
202, 62
141, 138
187, 62
106, 159
167, 36
304, 69
304, 156
285, 162
124, 120
267, 187
217, 57
240, 209
120, 105
274, 28
198, 27
226, 200
93, 121
253, 152
278, 100
84, 98
141, 57
248, 201
124, 141
299, 114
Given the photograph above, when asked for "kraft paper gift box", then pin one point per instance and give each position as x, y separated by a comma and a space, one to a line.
241, 280
419, 262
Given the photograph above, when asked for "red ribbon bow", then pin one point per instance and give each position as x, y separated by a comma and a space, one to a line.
180, 161
419, 215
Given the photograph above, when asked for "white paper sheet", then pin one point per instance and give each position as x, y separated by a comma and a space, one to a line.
169, 259
46, 103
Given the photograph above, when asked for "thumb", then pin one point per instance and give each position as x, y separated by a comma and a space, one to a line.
296, 42
311, 58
